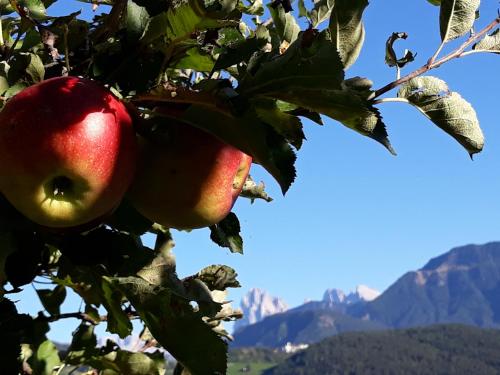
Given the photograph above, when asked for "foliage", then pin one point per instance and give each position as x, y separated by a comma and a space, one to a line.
249, 74
446, 349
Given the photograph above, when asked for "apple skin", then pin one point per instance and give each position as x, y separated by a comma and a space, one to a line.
187, 178
68, 152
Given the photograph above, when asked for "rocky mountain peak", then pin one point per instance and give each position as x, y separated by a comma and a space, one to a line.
256, 305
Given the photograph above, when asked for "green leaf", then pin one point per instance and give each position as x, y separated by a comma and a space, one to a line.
35, 68
255, 8
136, 363
36, 8
181, 21
45, 359
457, 17
390, 55
347, 29
346, 106
83, 346
311, 62
196, 59
321, 12
287, 125
285, 23
26, 67
435, 2
302, 9
238, 49
118, 321
490, 43
161, 271
137, 20
219, 277
52, 299
176, 327
448, 110
227, 233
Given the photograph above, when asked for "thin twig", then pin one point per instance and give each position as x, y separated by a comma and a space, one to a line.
66, 47
82, 316
459, 52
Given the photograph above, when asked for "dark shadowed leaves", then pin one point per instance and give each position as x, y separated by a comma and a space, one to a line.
227, 233
391, 58
52, 299
176, 326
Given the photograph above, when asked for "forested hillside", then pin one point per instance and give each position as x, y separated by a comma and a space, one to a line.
444, 349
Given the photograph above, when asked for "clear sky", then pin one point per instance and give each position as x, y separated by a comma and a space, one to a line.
356, 214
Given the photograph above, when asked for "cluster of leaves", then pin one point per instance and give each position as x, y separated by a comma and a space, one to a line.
243, 71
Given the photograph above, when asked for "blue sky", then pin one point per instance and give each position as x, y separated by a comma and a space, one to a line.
356, 214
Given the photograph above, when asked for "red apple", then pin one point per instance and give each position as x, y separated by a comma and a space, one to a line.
188, 179
68, 152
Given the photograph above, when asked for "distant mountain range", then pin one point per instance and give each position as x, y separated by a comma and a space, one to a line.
461, 286
299, 327
336, 299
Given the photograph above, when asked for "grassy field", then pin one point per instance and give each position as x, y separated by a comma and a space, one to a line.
254, 368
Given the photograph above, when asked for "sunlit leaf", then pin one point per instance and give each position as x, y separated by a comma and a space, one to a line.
321, 11
285, 23
219, 277
45, 359
447, 109
490, 43
347, 29
457, 17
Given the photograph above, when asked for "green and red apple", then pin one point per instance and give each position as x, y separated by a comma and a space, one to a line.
187, 178
68, 152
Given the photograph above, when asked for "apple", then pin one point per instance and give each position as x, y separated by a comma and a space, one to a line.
68, 152
187, 178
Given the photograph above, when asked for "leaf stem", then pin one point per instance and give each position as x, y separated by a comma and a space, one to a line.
390, 100
431, 64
